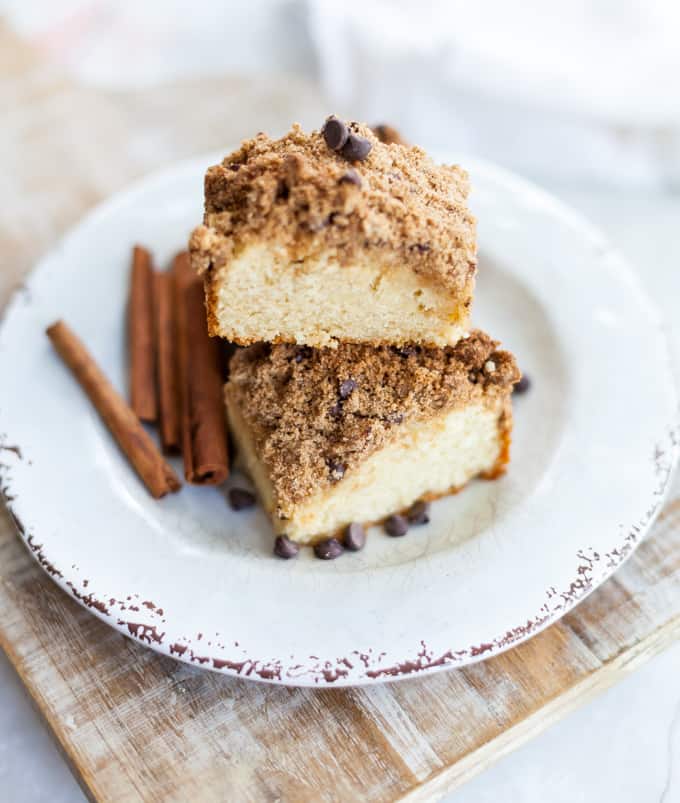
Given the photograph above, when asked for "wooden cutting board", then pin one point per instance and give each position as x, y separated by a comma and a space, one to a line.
139, 727
136, 726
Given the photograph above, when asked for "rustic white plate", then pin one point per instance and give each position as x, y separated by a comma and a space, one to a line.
593, 451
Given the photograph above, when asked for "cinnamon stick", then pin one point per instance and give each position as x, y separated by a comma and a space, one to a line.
181, 270
143, 397
121, 420
166, 361
204, 430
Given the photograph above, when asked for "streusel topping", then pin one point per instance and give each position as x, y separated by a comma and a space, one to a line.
298, 194
315, 414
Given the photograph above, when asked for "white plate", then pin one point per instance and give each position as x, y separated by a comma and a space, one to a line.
593, 452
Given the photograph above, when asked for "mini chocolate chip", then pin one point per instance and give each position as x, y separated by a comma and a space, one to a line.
350, 177
421, 248
357, 148
234, 166
395, 418
473, 376
406, 351
355, 537
285, 548
302, 353
335, 133
330, 549
346, 388
240, 499
336, 410
523, 385
282, 190
419, 513
337, 470
396, 526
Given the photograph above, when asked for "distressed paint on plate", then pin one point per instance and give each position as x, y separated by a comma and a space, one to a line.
594, 449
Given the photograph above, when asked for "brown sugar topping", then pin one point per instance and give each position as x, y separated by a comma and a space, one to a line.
300, 195
309, 431
388, 134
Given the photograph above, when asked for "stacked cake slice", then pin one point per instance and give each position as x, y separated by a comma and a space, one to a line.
346, 265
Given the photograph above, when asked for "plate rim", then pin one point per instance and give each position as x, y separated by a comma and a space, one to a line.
591, 571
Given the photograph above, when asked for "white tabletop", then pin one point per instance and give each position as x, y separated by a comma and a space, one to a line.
623, 746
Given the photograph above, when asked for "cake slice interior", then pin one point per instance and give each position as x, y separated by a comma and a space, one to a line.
320, 302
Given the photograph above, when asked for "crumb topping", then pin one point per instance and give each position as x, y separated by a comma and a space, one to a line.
315, 414
300, 195
388, 134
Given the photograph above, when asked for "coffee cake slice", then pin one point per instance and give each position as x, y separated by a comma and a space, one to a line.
354, 434
301, 245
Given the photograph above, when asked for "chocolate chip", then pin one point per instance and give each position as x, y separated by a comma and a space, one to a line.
406, 351
350, 177
523, 385
282, 190
346, 388
336, 410
396, 526
395, 418
285, 548
357, 148
419, 513
337, 470
330, 549
240, 499
421, 248
335, 133
355, 537
302, 353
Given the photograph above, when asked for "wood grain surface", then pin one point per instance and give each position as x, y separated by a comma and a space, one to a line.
136, 726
